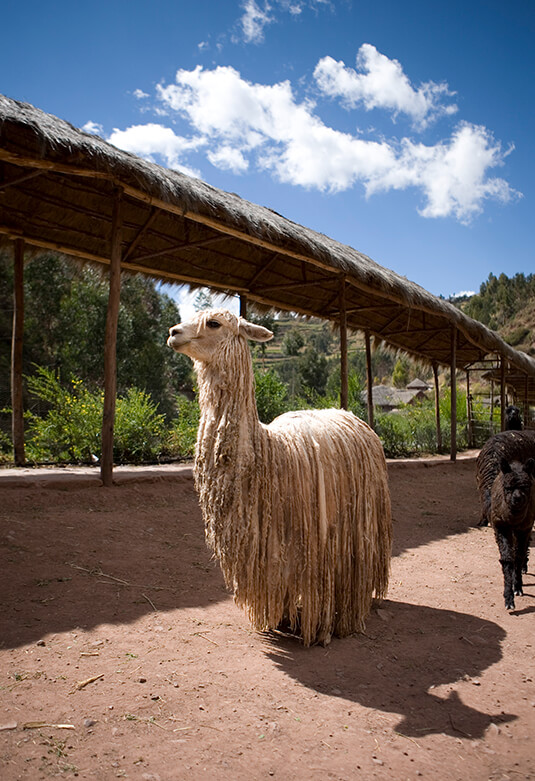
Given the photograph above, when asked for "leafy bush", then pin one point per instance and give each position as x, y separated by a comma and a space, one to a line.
138, 427
182, 435
271, 395
394, 431
70, 431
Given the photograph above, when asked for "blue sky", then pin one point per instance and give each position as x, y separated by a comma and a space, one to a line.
404, 129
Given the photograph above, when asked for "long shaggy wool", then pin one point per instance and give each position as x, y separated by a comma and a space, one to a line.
511, 445
297, 512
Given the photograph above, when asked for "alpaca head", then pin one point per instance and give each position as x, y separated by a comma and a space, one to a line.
515, 485
212, 333
513, 418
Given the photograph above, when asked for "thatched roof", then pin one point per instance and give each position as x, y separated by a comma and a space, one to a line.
57, 192
389, 398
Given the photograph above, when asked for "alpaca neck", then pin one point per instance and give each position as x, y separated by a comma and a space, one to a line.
227, 398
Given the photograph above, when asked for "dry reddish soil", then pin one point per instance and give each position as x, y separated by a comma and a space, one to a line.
123, 656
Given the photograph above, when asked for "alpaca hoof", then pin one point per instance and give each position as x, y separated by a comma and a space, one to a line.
510, 605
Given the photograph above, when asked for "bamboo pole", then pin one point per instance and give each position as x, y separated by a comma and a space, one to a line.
110, 344
17, 343
369, 378
344, 388
437, 408
453, 371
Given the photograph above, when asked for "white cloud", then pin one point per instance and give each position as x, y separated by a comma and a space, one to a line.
93, 127
254, 20
452, 175
245, 124
463, 294
152, 140
139, 94
229, 159
380, 82
256, 17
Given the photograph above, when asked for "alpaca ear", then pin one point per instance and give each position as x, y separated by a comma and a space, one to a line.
255, 332
529, 467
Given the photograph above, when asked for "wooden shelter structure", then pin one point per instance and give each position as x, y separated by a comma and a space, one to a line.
65, 190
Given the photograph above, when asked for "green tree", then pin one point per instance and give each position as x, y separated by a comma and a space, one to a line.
271, 395
314, 371
293, 342
203, 300
400, 375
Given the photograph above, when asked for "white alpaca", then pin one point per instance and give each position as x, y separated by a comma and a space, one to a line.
297, 512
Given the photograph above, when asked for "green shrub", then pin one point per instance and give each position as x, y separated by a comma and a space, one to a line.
139, 428
70, 431
182, 434
394, 432
271, 395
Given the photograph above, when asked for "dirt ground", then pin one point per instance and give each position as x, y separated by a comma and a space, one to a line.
123, 656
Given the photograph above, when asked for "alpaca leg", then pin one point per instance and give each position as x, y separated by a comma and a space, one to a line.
504, 538
485, 509
521, 554
526, 557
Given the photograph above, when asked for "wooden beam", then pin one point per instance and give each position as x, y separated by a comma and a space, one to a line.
20, 179
344, 387
17, 342
369, 379
261, 270
453, 400
243, 307
141, 232
110, 344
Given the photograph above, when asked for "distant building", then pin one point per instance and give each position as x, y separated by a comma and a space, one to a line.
420, 385
388, 399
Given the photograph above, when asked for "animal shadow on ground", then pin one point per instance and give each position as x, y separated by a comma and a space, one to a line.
81, 558
406, 652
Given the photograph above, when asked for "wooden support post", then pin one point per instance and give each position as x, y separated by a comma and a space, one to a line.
437, 409
17, 342
502, 393
344, 386
453, 371
369, 379
110, 345
243, 306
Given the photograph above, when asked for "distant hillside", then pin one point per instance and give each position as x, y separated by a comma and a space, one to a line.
507, 305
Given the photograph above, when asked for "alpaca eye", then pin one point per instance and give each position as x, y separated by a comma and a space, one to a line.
213, 324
